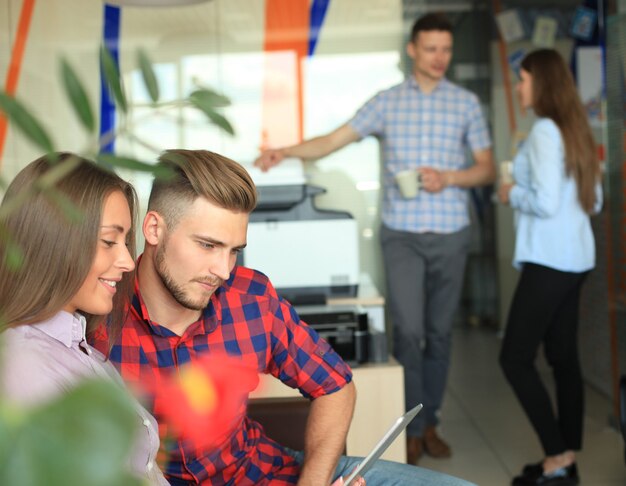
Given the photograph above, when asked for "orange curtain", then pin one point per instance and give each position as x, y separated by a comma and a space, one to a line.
285, 46
15, 65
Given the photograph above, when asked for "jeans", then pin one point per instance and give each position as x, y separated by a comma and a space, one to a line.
388, 473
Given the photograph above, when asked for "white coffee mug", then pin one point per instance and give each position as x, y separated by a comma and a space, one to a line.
409, 182
506, 172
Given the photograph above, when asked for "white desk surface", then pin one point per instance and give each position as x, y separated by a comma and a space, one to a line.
367, 294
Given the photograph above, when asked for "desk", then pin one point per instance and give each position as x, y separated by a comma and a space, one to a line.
380, 401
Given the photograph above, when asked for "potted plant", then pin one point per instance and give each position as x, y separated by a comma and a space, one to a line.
84, 436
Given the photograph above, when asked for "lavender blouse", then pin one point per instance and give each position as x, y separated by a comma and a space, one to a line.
42, 360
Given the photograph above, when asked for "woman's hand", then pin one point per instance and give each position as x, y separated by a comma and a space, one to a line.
503, 193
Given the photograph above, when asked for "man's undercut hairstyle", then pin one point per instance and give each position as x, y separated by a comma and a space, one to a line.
200, 173
431, 21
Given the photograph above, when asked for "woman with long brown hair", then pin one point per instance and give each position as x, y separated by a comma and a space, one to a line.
71, 275
557, 187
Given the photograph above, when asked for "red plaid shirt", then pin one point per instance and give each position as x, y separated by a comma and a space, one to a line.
245, 318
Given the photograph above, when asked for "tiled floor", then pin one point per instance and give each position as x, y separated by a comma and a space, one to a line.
489, 433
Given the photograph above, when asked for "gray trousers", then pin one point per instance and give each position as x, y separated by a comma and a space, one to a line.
424, 273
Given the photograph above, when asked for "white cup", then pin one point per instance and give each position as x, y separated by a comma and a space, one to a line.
409, 182
506, 172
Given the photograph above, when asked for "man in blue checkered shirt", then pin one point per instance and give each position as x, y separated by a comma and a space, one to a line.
424, 124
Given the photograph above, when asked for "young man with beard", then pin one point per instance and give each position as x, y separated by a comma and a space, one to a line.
425, 124
191, 300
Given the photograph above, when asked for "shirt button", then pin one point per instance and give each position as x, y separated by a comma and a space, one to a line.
146, 422
150, 466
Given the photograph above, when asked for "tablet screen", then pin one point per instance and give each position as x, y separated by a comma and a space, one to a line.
393, 432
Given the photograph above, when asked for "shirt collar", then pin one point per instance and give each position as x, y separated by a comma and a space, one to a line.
64, 327
443, 83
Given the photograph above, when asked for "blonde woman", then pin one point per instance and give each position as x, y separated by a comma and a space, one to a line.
72, 275
557, 187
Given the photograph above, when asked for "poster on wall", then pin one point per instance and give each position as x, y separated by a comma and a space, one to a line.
583, 23
515, 60
510, 25
544, 32
589, 69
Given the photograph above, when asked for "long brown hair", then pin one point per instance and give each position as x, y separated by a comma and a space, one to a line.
58, 253
555, 96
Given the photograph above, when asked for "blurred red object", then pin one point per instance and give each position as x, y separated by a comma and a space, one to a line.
203, 401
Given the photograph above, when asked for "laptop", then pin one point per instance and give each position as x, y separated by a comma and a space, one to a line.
378, 450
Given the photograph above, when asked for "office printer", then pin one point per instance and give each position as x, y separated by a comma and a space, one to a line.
309, 254
345, 328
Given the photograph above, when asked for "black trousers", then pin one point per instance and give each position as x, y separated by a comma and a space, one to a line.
545, 310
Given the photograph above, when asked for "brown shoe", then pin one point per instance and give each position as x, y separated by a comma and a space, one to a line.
414, 449
433, 444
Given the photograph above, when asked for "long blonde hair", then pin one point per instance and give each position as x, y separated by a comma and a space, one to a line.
555, 96
57, 253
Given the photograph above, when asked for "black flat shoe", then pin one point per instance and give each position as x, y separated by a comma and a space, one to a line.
533, 475
535, 467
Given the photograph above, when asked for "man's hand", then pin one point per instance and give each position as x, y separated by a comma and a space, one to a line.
503, 193
359, 481
433, 180
269, 158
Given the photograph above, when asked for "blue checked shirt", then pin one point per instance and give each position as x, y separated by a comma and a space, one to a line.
424, 130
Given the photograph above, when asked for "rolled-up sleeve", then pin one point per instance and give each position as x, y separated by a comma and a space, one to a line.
301, 358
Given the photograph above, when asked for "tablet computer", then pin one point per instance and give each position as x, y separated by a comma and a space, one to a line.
391, 434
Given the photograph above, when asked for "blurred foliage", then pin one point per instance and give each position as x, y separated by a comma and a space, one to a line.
83, 437
203, 99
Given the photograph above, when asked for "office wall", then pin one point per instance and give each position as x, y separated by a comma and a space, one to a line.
57, 28
219, 44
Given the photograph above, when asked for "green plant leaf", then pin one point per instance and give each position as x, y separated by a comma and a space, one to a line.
6, 434
209, 98
13, 256
83, 437
29, 126
68, 208
147, 72
159, 171
112, 77
57, 172
220, 121
215, 117
78, 96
